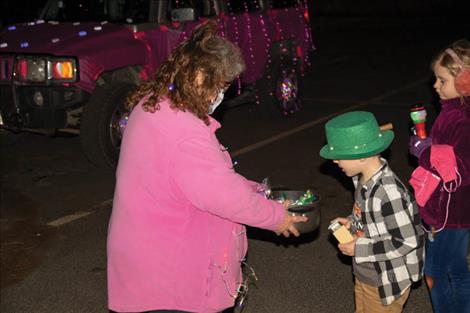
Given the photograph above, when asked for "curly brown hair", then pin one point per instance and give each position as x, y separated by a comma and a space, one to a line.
217, 59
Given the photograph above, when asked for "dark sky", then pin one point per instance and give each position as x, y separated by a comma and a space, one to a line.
25, 10
19, 10
390, 7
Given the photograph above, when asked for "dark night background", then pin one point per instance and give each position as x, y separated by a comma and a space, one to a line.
24, 10
371, 55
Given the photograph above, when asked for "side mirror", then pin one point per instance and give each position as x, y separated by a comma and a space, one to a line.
183, 15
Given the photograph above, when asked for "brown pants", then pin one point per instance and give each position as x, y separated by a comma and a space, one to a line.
368, 300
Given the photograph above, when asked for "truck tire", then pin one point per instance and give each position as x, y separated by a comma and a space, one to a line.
100, 129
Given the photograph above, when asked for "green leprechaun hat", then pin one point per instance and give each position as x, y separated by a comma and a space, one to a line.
354, 135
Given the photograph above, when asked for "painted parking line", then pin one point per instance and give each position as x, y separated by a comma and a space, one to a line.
250, 148
78, 215
68, 219
293, 131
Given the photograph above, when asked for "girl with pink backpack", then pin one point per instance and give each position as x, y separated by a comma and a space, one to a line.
442, 183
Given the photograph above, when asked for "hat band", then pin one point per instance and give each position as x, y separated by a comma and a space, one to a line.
355, 147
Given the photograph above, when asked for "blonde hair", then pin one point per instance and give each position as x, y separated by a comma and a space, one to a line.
461, 48
205, 52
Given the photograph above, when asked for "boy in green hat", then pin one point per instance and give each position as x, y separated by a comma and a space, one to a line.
387, 249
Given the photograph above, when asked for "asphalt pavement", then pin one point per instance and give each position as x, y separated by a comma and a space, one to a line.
55, 205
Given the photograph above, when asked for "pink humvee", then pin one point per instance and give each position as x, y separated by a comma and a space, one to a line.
71, 69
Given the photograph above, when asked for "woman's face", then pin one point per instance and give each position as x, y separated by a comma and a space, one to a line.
444, 84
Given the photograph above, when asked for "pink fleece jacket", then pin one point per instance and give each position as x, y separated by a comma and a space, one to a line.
175, 238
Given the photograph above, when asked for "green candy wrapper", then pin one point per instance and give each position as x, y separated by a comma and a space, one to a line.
307, 198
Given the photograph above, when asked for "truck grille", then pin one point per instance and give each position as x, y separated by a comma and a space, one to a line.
6, 67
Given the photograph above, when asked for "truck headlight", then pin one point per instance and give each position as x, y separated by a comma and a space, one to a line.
45, 69
63, 70
33, 70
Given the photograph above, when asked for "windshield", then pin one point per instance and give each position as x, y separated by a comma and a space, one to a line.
120, 11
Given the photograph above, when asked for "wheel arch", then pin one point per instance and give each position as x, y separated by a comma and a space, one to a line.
129, 74
101, 124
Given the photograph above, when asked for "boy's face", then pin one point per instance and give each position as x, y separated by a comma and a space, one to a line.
351, 167
444, 84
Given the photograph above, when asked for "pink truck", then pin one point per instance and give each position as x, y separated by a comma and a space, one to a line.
70, 70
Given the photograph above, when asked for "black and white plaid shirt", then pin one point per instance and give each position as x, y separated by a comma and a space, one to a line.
393, 237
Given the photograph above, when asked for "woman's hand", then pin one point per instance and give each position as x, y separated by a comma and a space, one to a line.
287, 226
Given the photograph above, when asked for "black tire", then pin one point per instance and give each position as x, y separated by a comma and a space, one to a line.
281, 88
100, 131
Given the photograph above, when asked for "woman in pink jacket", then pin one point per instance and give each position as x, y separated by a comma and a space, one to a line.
176, 237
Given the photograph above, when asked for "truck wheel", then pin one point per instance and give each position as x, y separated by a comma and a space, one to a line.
282, 88
101, 125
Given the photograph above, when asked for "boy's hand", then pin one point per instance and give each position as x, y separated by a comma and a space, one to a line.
343, 221
348, 248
